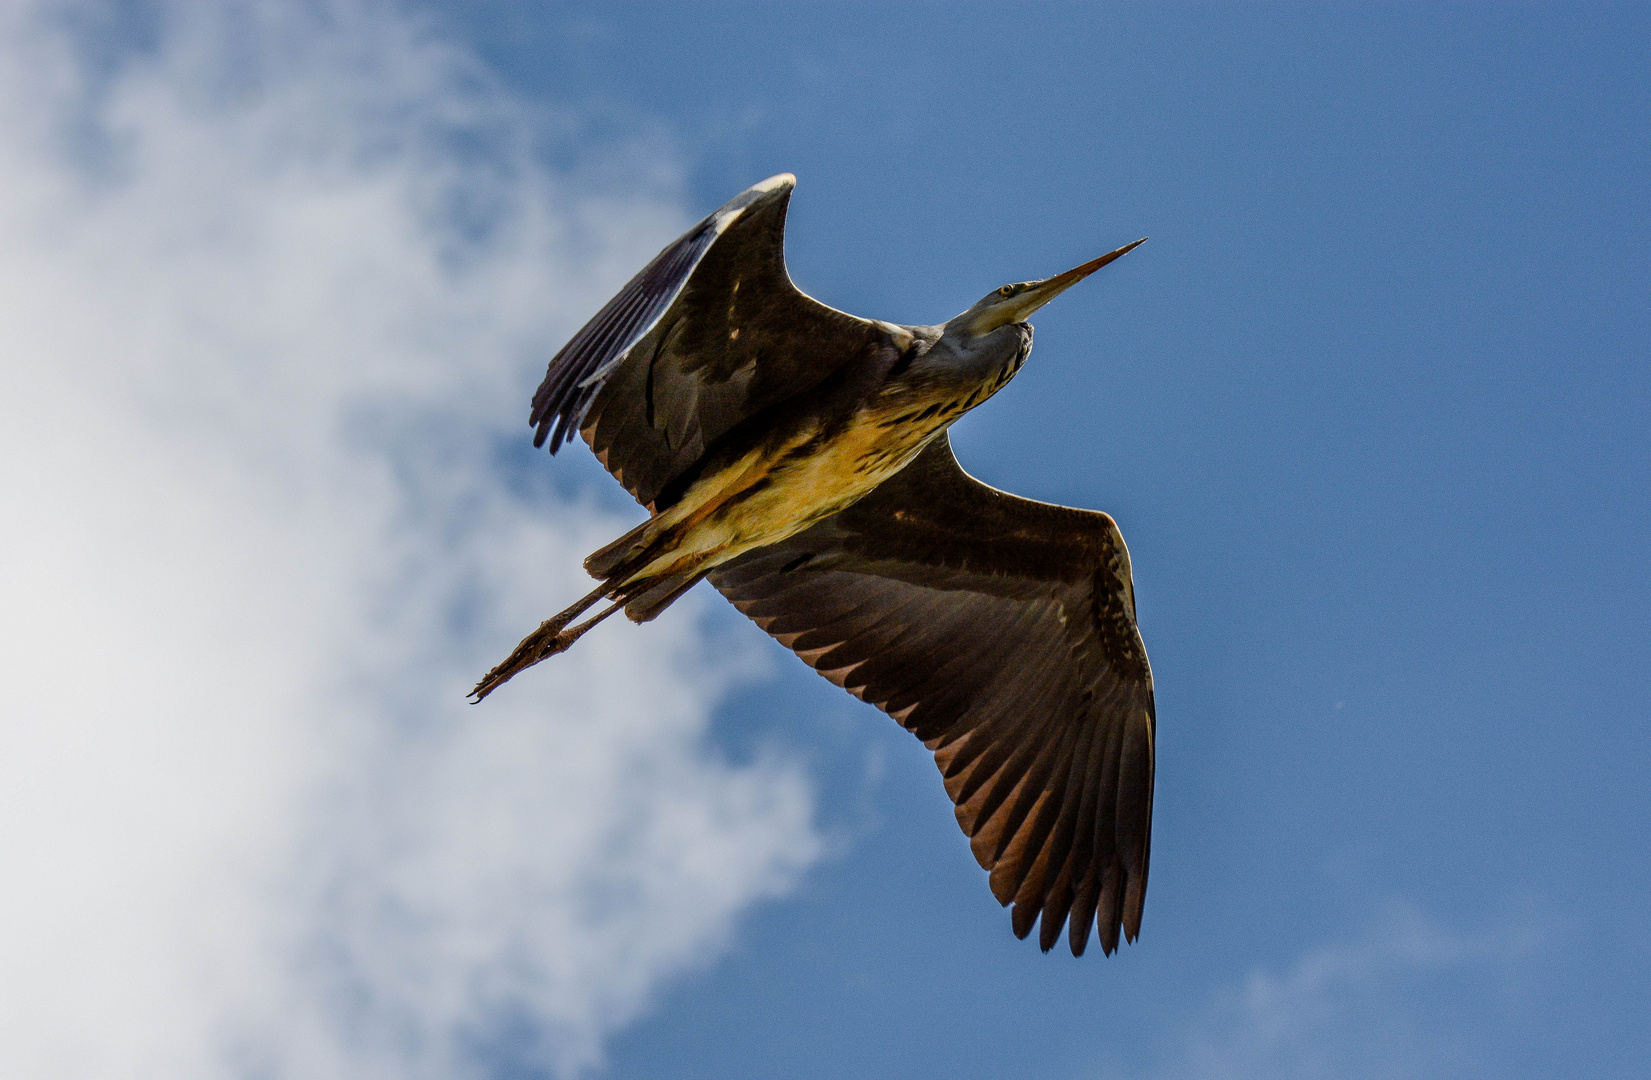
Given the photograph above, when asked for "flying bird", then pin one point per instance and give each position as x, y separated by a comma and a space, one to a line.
798, 458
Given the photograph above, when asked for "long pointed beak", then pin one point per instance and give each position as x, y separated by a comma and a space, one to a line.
1049, 288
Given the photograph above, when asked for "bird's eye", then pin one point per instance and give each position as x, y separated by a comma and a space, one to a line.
1007, 290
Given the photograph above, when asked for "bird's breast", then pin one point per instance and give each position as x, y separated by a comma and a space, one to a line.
825, 470
780, 488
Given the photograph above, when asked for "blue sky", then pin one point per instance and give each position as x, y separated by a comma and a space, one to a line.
1370, 409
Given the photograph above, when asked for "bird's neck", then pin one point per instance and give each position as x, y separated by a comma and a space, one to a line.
950, 377
975, 367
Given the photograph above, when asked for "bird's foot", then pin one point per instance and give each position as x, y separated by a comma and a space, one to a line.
542, 644
553, 636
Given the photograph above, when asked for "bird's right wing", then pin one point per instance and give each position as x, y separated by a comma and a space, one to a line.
709, 334
1001, 632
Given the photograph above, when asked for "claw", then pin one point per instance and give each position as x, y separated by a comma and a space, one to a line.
553, 636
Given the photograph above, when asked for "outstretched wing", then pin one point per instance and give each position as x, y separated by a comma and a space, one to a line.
709, 334
1001, 632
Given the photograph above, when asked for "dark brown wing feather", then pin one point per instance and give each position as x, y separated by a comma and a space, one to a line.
709, 335
1001, 632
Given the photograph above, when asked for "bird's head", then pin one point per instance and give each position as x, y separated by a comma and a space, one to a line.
1015, 303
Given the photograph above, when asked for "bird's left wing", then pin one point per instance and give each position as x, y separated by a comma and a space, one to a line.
708, 335
1001, 632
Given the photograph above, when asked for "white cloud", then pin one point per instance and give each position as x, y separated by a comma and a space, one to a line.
1364, 1008
272, 290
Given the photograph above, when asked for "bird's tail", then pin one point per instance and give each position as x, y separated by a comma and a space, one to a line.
624, 556
658, 595
628, 555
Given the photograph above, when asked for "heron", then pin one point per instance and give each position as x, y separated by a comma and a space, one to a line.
798, 457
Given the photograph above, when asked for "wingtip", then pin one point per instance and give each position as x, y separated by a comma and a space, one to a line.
774, 189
